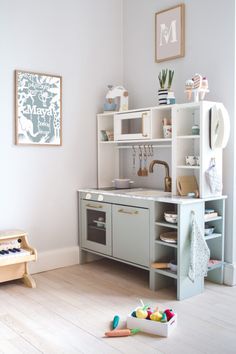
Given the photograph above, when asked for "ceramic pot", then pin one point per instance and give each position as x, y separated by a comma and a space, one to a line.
162, 96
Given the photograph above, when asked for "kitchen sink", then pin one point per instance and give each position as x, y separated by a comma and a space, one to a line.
149, 193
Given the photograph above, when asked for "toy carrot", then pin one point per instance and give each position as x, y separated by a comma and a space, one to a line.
121, 332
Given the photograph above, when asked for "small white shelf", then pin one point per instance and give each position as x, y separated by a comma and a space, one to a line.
212, 236
159, 242
188, 136
167, 272
215, 266
161, 140
214, 219
189, 167
166, 224
108, 142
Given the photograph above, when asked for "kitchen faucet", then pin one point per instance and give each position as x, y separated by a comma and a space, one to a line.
167, 179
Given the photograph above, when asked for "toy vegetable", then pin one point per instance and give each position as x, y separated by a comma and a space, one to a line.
122, 332
115, 322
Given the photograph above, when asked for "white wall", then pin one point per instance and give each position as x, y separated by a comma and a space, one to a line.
210, 50
82, 41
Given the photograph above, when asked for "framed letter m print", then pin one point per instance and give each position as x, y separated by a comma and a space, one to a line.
169, 33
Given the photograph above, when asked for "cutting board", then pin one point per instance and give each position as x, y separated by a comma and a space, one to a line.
187, 184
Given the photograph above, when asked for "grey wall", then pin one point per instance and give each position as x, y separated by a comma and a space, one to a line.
210, 50
82, 41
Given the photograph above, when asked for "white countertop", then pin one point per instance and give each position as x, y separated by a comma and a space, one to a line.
146, 194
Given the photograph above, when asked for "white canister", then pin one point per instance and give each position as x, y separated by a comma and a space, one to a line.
167, 131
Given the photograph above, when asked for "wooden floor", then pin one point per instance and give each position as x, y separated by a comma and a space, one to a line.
72, 307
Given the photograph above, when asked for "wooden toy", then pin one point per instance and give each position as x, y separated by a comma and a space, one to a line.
198, 86
141, 313
161, 323
122, 332
169, 314
15, 253
156, 316
115, 321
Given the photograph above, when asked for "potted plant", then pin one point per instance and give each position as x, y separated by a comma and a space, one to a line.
170, 95
162, 92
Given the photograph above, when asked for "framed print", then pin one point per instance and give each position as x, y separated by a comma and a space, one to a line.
169, 33
38, 108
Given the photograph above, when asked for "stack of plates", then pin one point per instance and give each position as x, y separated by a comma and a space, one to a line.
170, 237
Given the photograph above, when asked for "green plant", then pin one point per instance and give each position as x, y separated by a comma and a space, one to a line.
170, 78
162, 78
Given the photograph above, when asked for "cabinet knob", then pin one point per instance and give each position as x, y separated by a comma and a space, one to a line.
100, 198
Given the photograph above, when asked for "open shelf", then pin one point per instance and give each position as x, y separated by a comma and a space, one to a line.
160, 140
167, 272
174, 245
94, 227
214, 219
215, 266
212, 236
188, 136
166, 224
189, 167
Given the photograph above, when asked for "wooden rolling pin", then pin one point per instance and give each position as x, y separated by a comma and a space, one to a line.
159, 265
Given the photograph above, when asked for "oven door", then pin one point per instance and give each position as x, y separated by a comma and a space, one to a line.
96, 226
130, 126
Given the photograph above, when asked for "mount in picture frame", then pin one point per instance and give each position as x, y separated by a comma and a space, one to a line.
38, 109
170, 33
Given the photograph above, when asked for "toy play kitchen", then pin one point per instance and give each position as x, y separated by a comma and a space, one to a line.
155, 222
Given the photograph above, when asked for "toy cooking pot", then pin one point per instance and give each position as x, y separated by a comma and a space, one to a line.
122, 183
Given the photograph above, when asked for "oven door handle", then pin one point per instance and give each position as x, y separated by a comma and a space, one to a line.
143, 117
94, 206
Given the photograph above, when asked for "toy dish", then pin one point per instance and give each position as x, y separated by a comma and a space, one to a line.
209, 230
171, 216
169, 237
173, 266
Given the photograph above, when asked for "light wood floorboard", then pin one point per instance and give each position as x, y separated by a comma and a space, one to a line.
72, 307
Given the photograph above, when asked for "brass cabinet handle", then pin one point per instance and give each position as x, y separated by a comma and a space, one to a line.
94, 206
143, 115
128, 212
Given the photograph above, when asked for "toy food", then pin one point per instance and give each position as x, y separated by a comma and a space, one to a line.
156, 316
140, 313
169, 314
197, 79
188, 88
164, 317
121, 332
115, 322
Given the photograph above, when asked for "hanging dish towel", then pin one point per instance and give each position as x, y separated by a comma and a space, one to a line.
199, 253
213, 179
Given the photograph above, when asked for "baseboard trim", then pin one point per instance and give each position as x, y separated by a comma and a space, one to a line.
57, 258
230, 274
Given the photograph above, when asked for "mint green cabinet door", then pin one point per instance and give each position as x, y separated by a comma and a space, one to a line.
131, 234
96, 226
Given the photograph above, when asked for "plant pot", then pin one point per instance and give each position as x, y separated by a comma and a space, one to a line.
162, 96
171, 97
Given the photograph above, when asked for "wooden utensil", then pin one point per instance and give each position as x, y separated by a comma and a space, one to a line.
140, 170
187, 184
145, 170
